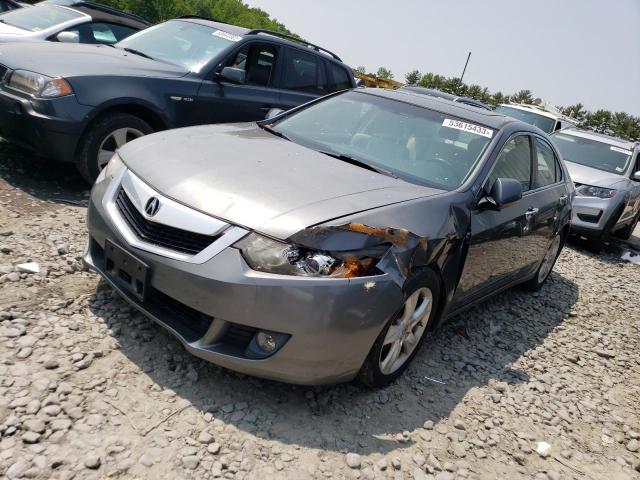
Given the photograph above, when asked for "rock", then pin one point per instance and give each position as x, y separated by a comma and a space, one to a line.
459, 424
353, 460
213, 448
633, 445
419, 474
428, 425
35, 425
92, 461
30, 437
205, 437
543, 449
382, 464
190, 462
17, 470
31, 267
51, 364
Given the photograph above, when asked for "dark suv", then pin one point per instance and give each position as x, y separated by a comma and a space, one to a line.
79, 103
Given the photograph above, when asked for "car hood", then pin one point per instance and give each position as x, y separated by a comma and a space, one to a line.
592, 176
9, 31
249, 177
71, 60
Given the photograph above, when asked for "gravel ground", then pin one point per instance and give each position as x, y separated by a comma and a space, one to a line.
541, 386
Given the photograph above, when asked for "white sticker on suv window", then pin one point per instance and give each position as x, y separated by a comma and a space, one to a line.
621, 150
227, 36
468, 127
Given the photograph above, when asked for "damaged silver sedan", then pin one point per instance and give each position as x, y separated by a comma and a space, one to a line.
324, 244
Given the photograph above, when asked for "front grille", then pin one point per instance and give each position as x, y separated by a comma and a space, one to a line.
590, 218
191, 323
161, 235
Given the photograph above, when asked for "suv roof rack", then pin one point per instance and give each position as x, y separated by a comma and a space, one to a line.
102, 8
294, 39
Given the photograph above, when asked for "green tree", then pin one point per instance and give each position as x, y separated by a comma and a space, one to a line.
523, 96
412, 78
362, 70
384, 72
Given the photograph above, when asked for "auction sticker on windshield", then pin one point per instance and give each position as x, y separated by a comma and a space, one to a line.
621, 150
227, 36
468, 127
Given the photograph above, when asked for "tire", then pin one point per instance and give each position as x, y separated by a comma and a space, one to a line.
103, 137
424, 286
548, 262
626, 232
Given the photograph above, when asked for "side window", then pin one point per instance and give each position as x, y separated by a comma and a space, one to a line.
514, 162
304, 72
340, 78
101, 33
546, 165
259, 61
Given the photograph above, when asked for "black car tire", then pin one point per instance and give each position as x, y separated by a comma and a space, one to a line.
537, 281
626, 232
90, 143
371, 374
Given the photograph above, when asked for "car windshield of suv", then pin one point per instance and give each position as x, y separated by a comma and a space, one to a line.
413, 143
592, 153
41, 17
187, 44
545, 124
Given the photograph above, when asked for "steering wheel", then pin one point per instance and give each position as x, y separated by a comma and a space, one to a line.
450, 176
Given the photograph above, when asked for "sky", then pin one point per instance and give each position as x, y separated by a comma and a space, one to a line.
564, 51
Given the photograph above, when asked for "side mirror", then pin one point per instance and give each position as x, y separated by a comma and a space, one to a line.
636, 177
503, 192
273, 113
68, 37
234, 75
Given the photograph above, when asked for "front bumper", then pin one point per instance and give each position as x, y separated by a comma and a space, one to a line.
51, 128
594, 216
332, 323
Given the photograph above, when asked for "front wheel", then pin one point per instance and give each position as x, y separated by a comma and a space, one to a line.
400, 340
548, 262
103, 138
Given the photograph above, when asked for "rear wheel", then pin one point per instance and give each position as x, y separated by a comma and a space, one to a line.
400, 340
103, 138
548, 262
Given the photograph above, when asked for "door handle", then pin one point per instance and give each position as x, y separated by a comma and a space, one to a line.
529, 214
563, 199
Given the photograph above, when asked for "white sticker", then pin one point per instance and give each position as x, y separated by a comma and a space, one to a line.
227, 36
621, 150
468, 127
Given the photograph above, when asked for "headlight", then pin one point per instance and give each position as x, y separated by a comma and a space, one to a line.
267, 255
598, 192
39, 85
113, 168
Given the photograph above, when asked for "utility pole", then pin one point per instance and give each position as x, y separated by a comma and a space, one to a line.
465, 67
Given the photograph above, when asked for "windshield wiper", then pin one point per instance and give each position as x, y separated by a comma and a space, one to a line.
274, 132
360, 163
137, 52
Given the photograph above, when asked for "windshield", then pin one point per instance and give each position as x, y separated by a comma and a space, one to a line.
413, 143
39, 18
187, 44
592, 153
545, 124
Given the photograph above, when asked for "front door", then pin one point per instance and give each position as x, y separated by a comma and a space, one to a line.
304, 78
502, 244
220, 101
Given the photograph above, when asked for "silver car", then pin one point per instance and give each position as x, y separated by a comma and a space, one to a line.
606, 172
325, 242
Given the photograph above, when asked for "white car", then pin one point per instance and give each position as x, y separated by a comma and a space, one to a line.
546, 119
68, 21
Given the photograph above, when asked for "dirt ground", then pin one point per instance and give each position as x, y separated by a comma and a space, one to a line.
541, 386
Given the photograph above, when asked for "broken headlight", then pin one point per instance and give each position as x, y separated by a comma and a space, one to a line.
271, 256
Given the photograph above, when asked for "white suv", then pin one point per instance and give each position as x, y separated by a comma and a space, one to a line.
545, 117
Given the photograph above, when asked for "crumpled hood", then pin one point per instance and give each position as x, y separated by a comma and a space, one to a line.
592, 176
249, 177
72, 60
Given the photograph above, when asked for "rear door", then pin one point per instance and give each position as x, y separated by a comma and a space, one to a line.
502, 245
220, 101
304, 78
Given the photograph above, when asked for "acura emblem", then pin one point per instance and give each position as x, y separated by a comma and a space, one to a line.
152, 206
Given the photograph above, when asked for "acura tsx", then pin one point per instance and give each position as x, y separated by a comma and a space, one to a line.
323, 244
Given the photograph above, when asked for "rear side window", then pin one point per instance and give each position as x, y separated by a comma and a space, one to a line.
514, 162
340, 78
304, 72
547, 168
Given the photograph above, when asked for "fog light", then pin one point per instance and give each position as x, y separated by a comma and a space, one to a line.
266, 342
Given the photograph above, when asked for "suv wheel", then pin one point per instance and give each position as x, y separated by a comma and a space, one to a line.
400, 340
626, 232
103, 138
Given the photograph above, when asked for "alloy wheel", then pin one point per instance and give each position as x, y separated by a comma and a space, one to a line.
113, 141
404, 334
549, 259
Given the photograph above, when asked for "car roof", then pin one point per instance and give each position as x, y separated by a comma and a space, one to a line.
273, 36
599, 137
488, 118
447, 96
538, 111
102, 13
